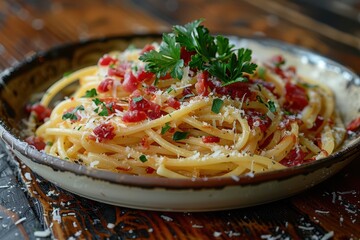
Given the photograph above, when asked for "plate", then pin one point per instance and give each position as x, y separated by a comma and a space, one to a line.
37, 73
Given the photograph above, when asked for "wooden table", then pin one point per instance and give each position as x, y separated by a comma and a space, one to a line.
31, 207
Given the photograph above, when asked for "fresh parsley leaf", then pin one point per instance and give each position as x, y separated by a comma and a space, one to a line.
215, 55
166, 60
180, 135
216, 105
90, 93
224, 49
72, 114
143, 158
233, 70
184, 34
165, 128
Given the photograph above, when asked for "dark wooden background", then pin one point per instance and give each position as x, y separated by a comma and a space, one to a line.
30, 205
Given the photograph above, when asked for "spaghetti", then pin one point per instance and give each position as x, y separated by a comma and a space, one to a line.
126, 119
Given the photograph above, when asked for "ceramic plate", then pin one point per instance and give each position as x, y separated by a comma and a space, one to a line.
37, 73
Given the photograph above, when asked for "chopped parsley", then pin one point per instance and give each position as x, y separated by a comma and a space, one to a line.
143, 158
165, 128
137, 99
90, 93
72, 114
170, 89
66, 74
216, 105
180, 135
261, 72
270, 104
104, 110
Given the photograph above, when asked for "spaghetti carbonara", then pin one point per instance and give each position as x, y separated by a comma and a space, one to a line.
126, 119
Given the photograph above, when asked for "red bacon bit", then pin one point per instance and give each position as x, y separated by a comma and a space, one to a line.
152, 110
277, 60
295, 157
210, 139
37, 142
123, 169
105, 85
174, 103
151, 89
144, 76
202, 85
134, 116
130, 83
255, 118
167, 76
104, 131
145, 142
112, 104
120, 70
187, 92
147, 48
296, 98
354, 125
107, 60
149, 170
40, 111
186, 55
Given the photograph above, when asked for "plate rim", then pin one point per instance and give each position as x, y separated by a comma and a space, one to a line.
169, 183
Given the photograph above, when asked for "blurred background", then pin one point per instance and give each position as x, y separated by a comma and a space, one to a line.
329, 27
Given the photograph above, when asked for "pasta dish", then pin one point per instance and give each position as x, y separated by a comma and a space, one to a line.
192, 106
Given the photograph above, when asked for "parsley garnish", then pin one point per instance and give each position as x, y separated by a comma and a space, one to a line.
216, 105
66, 74
72, 114
165, 128
270, 104
104, 111
213, 54
261, 72
180, 135
137, 99
170, 89
90, 93
166, 60
143, 158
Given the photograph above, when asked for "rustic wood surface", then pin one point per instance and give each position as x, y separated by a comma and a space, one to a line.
29, 203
